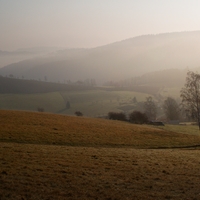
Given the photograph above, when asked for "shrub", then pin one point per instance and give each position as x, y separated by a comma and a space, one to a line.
40, 109
78, 113
117, 116
137, 117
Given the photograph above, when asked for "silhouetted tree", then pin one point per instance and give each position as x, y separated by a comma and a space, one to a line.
150, 108
171, 109
190, 95
67, 105
134, 100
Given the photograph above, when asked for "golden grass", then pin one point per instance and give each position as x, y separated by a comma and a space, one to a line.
43, 128
29, 171
46, 156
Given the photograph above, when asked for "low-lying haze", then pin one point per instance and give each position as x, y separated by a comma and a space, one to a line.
77, 23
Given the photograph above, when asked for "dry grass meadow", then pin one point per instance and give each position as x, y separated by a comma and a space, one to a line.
47, 156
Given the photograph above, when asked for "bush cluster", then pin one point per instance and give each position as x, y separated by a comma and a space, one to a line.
135, 117
78, 113
117, 116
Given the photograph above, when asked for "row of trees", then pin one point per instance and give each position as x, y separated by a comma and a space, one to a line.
189, 108
170, 107
135, 117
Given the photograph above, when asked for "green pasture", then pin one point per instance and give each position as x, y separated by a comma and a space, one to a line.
51, 102
100, 102
91, 103
171, 92
185, 129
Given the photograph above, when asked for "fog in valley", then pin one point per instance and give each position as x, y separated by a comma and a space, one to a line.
104, 41
99, 99
140, 46
127, 59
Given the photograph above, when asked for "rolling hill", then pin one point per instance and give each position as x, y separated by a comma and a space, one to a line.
52, 129
9, 57
61, 157
125, 59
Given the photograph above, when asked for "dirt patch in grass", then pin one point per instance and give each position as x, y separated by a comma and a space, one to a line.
30, 171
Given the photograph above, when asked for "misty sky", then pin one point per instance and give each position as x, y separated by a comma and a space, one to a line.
90, 23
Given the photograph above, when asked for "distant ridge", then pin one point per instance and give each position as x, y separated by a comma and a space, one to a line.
9, 57
117, 61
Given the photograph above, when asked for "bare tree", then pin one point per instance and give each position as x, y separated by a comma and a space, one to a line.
190, 95
171, 108
150, 108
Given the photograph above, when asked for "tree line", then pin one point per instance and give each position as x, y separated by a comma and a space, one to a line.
170, 107
187, 109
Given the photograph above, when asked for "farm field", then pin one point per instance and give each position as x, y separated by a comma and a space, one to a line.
48, 156
51, 102
91, 103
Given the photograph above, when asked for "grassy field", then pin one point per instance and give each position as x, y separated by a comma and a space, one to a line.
51, 102
185, 129
47, 156
171, 92
90, 102
43, 128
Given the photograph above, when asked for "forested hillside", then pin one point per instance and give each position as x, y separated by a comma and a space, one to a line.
125, 59
19, 86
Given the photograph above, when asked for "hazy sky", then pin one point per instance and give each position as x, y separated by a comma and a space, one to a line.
90, 23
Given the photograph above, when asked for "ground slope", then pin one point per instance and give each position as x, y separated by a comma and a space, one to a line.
43, 128
46, 156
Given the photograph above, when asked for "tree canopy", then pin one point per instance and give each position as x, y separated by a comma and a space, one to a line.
171, 109
150, 108
190, 95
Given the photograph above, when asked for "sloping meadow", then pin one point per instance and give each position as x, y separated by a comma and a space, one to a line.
44, 128
48, 156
